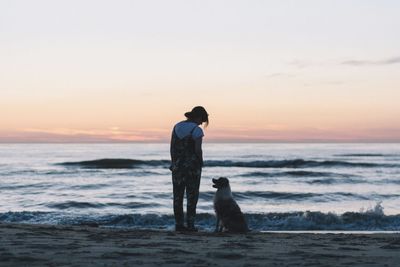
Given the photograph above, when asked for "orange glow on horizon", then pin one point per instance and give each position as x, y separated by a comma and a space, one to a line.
212, 135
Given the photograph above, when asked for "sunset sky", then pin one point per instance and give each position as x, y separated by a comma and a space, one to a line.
273, 71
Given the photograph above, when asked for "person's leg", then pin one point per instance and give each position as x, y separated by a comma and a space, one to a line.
192, 195
179, 191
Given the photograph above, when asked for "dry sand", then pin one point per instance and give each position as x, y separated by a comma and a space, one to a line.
43, 245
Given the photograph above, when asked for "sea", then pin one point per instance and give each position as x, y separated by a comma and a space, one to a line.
279, 187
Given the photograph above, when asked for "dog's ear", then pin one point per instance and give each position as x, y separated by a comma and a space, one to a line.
225, 180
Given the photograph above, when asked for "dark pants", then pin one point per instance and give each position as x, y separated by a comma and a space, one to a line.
190, 183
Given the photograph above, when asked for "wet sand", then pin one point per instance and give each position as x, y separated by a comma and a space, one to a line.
43, 245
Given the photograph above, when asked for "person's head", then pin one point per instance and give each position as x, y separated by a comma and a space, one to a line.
198, 115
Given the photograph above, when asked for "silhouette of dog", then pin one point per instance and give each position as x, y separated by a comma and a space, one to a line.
229, 216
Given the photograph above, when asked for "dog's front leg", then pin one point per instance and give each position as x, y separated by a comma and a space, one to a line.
217, 225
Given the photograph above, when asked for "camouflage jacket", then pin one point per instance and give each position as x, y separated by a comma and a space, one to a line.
184, 159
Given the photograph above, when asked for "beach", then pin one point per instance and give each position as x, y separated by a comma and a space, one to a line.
111, 205
50, 245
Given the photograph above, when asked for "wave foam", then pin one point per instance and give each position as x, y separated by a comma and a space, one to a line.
369, 220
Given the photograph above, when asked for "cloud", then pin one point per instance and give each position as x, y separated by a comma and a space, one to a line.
233, 133
387, 61
66, 135
300, 64
303, 64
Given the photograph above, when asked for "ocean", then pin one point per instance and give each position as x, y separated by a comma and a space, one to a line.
279, 187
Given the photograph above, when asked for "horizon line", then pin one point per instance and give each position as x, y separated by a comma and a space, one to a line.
221, 142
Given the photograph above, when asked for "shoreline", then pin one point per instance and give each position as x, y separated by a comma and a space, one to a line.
54, 245
333, 232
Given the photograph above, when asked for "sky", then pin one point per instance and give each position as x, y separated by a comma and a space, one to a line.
266, 71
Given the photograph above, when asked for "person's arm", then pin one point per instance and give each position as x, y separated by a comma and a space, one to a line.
172, 146
197, 149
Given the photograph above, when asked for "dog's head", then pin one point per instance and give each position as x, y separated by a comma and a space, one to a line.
220, 182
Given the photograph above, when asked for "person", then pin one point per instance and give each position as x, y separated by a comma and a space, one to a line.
186, 164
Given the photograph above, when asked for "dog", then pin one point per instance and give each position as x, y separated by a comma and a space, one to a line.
228, 213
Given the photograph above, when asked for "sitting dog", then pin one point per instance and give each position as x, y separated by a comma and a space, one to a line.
229, 215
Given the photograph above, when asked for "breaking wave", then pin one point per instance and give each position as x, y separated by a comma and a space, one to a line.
292, 163
369, 220
115, 163
157, 200
367, 155
85, 205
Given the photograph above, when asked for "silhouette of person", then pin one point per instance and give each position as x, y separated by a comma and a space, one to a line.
186, 164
